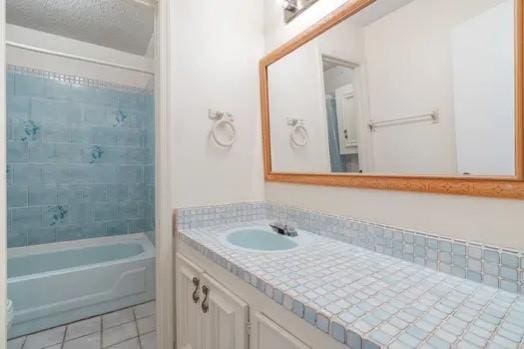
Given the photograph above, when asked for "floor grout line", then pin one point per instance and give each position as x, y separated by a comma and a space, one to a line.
23, 344
122, 341
144, 317
64, 337
101, 331
121, 324
82, 336
137, 330
148, 332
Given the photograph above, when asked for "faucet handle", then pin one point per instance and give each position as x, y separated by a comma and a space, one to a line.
284, 228
278, 228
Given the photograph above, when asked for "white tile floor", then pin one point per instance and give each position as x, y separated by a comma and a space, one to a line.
130, 328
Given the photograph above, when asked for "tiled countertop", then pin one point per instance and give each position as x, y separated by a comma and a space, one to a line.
369, 300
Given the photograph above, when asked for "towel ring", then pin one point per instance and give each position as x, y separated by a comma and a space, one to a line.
223, 141
299, 135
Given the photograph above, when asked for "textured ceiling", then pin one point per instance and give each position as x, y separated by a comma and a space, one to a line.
124, 25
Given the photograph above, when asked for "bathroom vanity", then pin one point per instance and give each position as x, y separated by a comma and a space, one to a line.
217, 310
342, 283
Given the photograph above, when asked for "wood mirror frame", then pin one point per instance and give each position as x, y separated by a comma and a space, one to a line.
502, 187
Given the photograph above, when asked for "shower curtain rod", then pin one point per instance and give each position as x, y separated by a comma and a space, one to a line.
79, 58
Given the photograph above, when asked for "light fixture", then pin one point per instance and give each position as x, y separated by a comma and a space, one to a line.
289, 5
292, 8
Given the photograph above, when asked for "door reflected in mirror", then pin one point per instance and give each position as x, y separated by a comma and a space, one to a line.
341, 79
408, 87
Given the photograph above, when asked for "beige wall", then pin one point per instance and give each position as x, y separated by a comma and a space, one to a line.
217, 45
494, 221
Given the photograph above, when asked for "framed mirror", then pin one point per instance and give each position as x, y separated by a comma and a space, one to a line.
413, 95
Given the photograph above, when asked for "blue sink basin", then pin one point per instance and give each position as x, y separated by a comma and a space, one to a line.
259, 239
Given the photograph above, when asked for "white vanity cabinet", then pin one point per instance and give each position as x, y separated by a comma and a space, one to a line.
226, 318
210, 316
266, 334
189, 314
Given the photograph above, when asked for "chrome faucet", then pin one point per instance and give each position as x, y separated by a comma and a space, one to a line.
283, 229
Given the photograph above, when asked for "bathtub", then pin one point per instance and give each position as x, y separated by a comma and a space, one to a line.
58, 283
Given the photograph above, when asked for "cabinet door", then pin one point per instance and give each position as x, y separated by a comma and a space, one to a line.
189, 313
268, 335
224, 324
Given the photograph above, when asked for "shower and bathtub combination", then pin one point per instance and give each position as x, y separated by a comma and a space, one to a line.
80, 163
54, 284
80, 198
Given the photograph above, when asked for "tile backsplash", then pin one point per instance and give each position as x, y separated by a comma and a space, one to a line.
490, 265
80, 159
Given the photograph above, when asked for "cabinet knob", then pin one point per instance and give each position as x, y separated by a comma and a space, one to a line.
205, 305
195, 296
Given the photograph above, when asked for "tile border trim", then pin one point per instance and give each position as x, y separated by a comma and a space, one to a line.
76, 80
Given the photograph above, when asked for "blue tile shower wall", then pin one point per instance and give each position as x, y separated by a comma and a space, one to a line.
80, 161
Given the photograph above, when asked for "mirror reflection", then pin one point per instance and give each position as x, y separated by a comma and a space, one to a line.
420, 87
